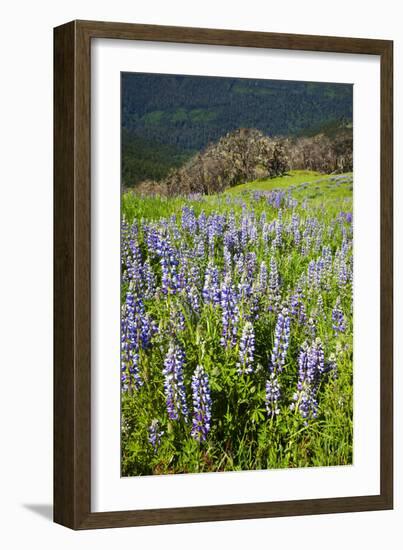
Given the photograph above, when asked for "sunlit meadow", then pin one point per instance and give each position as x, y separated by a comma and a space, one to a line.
236, 328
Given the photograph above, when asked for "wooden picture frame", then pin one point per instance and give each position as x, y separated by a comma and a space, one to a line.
72, 270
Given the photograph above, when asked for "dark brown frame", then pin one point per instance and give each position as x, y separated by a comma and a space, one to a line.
72, 320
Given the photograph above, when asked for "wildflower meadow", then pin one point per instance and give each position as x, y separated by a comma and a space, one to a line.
237, 327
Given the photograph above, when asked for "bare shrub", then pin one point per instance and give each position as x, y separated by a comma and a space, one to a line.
321, 153
239, 156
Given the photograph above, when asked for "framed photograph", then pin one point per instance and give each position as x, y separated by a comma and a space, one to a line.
223, 315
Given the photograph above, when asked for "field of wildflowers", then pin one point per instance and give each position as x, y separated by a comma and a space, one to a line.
236, 328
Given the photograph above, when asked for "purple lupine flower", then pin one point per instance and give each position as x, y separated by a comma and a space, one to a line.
244, 288
338, 320
201, 405
173, 384
297, 305
332, 365
194, 300
254, 304
177, 319
342, 276
327, 273
130, 375
308, 235
275, 198
246, 349
229, 306
345, 245
231, 239
312, 277
273, 394
281, 342
189, 222
320, 271
244, 231
133, 333
199, 246
239, 262
170, 280
252, 231
227, 259
175, 231
155, 434
250, 264
134, 262
194, 276
263, 278
202, 222
290, 202
140, 328
211, 289
278, 239
305, 401
311, 366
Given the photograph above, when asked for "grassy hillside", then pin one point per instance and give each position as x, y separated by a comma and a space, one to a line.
312, 187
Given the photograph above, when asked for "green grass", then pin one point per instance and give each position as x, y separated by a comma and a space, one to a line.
294, 177
318, 190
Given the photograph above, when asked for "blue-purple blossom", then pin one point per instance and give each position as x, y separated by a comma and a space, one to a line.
278, 239
311, 366
137, 331
201, 405
229, 307
211, 288
263, 277
338, 321
246, 349
174, 387
273, 394
194, 300
297, 305
155, 434
281, 342
189, 222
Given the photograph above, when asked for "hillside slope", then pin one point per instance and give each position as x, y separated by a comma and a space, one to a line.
189, 112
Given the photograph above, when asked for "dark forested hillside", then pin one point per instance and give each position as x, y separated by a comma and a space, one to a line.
167, 118
191, 111
143, 159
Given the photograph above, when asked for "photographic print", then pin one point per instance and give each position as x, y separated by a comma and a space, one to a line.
236, 274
